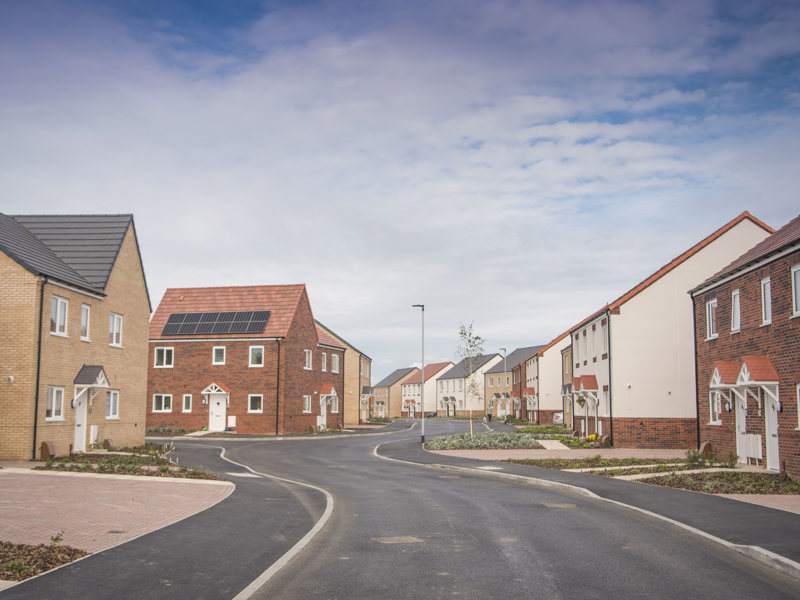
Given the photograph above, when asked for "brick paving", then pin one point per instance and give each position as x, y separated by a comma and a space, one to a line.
96, 512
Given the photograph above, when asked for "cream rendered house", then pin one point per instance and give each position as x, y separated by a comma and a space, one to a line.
543, 375
460, 391
412, 389
634, 361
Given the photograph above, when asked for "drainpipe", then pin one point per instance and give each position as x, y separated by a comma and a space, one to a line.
278, 389
610, 404
696, 395
38, 367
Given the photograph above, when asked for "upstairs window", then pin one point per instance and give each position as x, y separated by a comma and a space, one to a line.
796, 291
324, 361
115, 330
766, 302
256, 356
736, 312
334, 363
307, 360
85, 314
218, 355
164, 358
711, 319
58, 316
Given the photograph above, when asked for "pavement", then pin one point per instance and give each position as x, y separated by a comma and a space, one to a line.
97, 512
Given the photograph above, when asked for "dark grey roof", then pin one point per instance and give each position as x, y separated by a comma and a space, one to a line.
461, 370
393, 377
517, 357
88, 244
29, 251
89, 374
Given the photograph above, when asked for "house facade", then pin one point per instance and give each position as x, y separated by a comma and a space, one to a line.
747, 337
74, 328
387, 394
567, 398
633, 360
247, 359
411, 389
543, 381
501, 384
460, 391
357, 376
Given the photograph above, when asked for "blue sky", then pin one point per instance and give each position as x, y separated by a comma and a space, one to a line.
512, 164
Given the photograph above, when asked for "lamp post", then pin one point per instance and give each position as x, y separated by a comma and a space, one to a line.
505, 373
422, 392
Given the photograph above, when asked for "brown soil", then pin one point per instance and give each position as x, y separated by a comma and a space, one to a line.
20, 561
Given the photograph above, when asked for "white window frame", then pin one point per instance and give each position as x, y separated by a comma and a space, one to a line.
577, 344
86, 319
766, 301
165, 351
334, 363
306, 403
491, 381
308, 357
112, 405
186, 403
324, 362
797, 395
165, 403
712, 331
506, 380
736, 311
115, 330
59, 310
334, 404
54, 411
250, 398
604, 330
253, 364
796, 291
714, 408
214, 360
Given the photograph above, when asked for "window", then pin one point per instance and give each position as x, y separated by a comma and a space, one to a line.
797, 395
441, 386
255, 403
796, 291
594, 342
162, 403
55, 404
256, 356
714, 408
335, 404
491, 381
334, 363
85, 313
711, 319
112, 404
218, 356
306, 403
58, 316
115, 330
307, 363
460, 385
766, 302
187, 403
604, 325
164, 358
324, 361
736, 312
506, 380
577, 348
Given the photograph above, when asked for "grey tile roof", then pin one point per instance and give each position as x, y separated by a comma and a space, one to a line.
461, 370
88, 374
517, 357
393, 378
88, 244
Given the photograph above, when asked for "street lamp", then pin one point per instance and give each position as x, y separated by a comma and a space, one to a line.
422, 394
505, 373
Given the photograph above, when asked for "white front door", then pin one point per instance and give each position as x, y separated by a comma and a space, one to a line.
771, 421
323, 414
217, 411
79, 443
741, 428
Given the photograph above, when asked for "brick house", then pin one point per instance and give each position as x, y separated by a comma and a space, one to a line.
747, 339
634, 372
387, 394
357, 376
248, 359
73, 363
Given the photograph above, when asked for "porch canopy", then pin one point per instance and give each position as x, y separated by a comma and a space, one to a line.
530, 398
89, 381
585, 388
755, 378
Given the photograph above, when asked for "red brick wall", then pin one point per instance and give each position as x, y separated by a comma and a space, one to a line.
653, 433
780, 341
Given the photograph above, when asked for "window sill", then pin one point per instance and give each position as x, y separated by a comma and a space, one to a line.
715, 423
161, 412
61, 335
186, 412
61, 420
256, 366
712, 337
735, 331
162, 366
112, 418
766, 324
83, 339
115, 346
255, 412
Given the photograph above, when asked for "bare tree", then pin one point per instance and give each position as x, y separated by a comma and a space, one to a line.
470, 347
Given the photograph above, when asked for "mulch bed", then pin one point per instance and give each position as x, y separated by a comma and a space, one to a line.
729, 483
20, 561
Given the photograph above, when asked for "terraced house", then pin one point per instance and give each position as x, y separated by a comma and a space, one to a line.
248, 359
75, 311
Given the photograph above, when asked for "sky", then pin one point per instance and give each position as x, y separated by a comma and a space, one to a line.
511, 164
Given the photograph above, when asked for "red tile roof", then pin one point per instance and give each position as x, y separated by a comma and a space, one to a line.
327, 390
529, 391
760, 368
430, 370
327, 339
280, 300
589, 382
728, 371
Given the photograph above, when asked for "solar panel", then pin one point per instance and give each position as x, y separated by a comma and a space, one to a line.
216, 323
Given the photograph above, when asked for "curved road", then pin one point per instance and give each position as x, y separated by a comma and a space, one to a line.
391, 529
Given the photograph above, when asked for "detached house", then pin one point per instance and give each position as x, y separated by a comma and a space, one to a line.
747, 336
387, 394
249, 359
75, 310
460, 391
412, 389
633, 360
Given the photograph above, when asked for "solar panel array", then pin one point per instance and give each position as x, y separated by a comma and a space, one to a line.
216, 323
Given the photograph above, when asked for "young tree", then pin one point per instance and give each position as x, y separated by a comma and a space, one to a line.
470, 347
